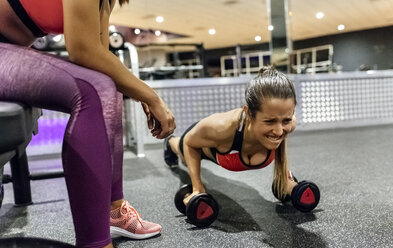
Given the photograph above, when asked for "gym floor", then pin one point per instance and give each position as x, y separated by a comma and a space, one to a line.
352, 168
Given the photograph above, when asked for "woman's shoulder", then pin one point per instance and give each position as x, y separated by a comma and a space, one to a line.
222, 125
225, 119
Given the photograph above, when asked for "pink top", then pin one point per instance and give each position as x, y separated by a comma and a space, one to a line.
46, 14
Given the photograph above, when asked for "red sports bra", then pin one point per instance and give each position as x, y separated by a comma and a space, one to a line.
232, 160
42, 17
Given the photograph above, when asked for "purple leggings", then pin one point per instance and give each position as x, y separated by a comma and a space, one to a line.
93, 141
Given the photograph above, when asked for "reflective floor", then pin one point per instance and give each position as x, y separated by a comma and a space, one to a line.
352, 167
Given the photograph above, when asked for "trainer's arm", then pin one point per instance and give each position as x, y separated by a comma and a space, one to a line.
83, 26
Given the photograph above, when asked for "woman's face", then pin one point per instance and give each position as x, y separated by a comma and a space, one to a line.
273, 123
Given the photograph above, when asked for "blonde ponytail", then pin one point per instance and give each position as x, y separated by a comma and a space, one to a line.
280, 177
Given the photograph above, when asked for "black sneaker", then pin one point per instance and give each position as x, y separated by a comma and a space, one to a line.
169, 156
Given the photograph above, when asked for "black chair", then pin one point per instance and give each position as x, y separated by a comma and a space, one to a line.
18, 122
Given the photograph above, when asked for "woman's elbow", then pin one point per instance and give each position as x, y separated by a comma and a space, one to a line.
80, 53
77, 55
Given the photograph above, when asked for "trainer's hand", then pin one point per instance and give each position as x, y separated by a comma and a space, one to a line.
163, 119
150, 120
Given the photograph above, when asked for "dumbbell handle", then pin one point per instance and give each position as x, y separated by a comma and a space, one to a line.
284, 198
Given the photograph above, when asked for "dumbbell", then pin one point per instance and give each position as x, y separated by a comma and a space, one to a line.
201, 210
304, 197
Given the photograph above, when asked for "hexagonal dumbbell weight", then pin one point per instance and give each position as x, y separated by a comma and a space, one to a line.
304, 196
201, 210
182, 193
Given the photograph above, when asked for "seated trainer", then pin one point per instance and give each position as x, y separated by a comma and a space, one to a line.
89, 88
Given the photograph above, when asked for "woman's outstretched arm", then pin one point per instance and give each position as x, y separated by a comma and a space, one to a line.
209, 132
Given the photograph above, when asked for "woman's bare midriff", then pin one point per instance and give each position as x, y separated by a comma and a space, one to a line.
12, 27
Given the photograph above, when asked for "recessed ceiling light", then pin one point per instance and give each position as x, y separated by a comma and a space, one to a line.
212, 31
341, 27
159, 19
319, 15
137, 31
258, 38
270, 27
157, 32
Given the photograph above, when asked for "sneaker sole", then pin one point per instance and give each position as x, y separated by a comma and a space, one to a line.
120, 232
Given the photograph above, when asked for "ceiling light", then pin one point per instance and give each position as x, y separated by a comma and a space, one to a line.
341, 27
137, 31
212, 31
157, 32
258, 38
319, 15
159, 19
270, 27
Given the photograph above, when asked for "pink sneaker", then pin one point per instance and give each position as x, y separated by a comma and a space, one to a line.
126, 222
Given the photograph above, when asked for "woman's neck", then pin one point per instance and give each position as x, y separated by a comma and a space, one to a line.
250, 143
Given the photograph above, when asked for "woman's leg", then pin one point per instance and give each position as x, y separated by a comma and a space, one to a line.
93, 102
174, 143
117, 153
